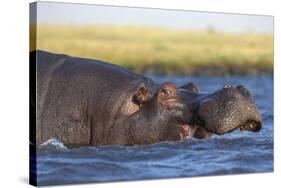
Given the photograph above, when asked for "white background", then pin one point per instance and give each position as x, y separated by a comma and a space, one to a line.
14, 91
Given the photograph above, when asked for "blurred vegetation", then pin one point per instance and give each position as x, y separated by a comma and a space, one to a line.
162, 51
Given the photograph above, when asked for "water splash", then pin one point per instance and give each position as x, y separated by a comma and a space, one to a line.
52, 144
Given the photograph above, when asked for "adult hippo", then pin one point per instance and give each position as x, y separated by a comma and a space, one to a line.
88, 102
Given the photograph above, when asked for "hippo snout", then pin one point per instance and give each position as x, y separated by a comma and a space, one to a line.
228, 109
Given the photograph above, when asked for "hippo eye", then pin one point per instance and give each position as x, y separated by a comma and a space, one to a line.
166, 92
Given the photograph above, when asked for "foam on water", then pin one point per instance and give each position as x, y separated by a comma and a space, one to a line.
52, 144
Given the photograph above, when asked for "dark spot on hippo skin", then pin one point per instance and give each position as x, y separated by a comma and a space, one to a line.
75, 116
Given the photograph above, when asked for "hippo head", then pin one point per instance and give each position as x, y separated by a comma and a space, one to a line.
222, 111
179, 113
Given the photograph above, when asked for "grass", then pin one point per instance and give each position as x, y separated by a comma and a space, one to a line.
161, 50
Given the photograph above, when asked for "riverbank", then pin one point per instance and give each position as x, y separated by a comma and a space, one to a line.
163, 51
206, 70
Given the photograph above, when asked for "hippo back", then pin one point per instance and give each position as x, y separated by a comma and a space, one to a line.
78, 99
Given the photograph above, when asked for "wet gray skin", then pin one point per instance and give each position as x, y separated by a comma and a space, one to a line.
220, 112
89, 102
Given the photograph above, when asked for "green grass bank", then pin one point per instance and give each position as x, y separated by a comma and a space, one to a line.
162, 51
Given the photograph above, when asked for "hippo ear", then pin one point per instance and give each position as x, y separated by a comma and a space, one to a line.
141, 94
135, 103
190, 87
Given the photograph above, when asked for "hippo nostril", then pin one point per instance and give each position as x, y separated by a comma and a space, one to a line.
240, 87
243, 90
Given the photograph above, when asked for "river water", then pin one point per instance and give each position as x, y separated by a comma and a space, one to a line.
234, 153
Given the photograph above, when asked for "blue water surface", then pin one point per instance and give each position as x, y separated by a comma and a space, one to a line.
234, 153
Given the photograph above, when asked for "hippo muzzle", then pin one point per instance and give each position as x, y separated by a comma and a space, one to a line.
228, 109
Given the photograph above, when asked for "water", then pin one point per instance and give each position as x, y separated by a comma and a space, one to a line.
234, 153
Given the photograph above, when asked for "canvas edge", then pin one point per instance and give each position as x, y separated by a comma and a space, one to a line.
32, 94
